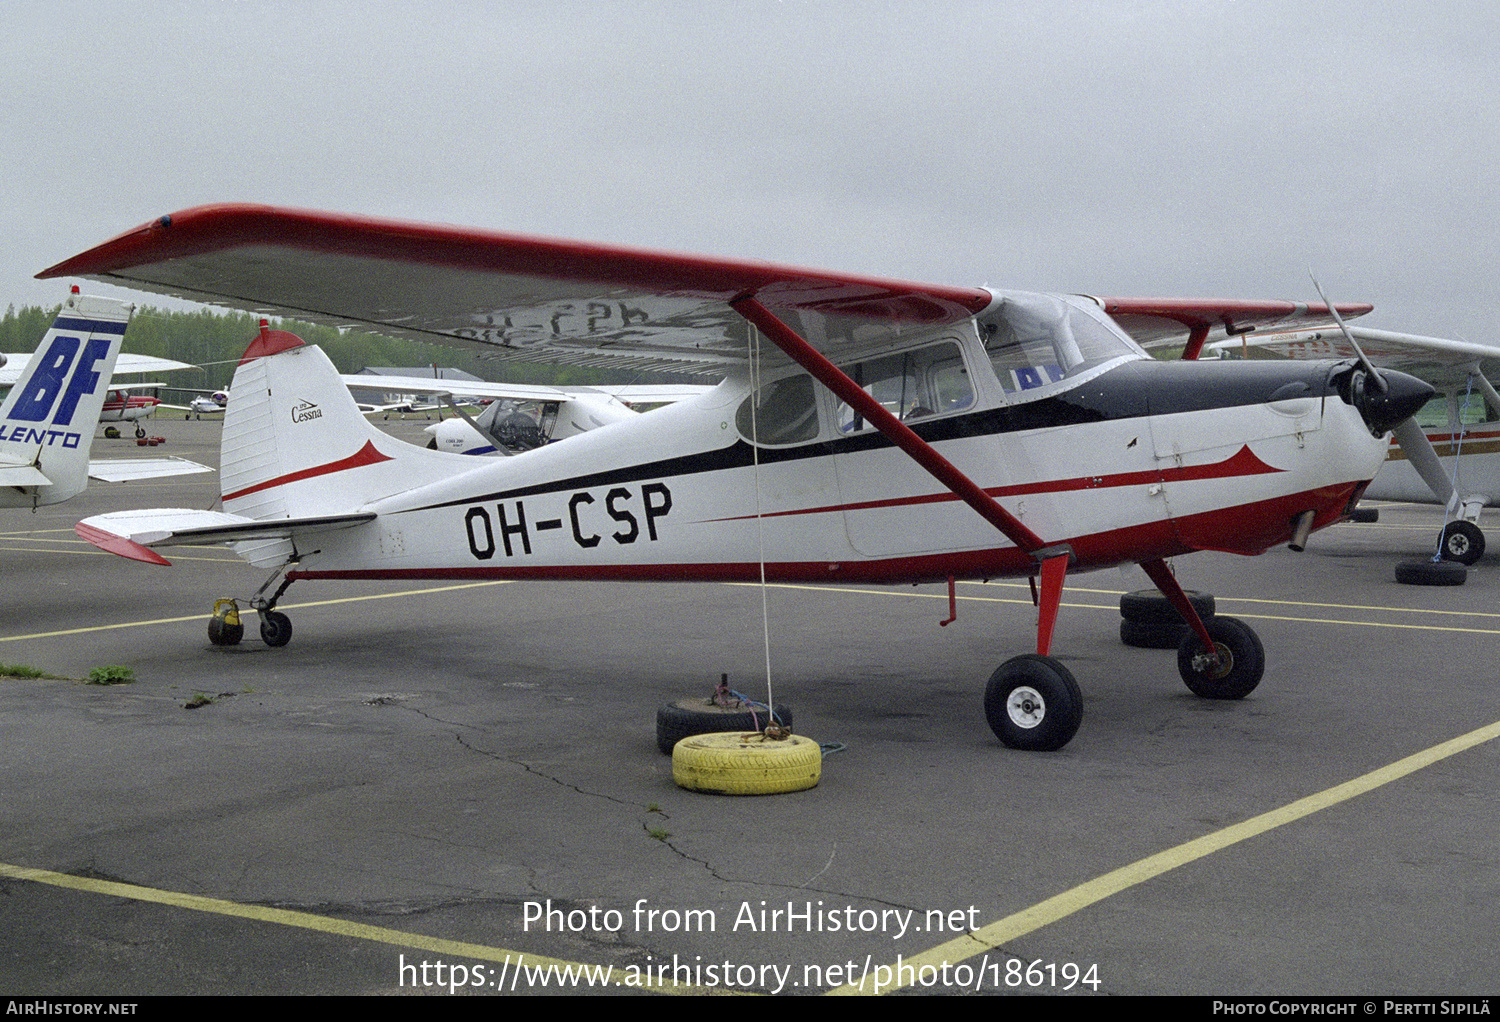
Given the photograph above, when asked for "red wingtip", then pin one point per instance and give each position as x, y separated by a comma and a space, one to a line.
270, 342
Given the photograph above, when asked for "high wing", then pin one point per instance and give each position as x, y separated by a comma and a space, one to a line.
518, 297
1195, 322
14, 364
427, 386
1437, 360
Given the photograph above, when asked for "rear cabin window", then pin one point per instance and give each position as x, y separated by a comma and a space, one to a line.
911, 385
781, 412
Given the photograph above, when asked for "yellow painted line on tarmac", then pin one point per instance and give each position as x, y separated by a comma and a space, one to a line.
515, 965
1252, 616
310, 603
1028, 920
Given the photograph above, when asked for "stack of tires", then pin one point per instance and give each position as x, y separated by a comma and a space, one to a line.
1149, 621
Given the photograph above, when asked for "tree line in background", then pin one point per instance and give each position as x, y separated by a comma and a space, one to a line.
215, 340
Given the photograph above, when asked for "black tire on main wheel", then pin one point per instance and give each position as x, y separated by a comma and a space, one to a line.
687, 717
1152, 634
1242, 661
1033, 703
1149, 605
1462, 542
275, 628
1431, 573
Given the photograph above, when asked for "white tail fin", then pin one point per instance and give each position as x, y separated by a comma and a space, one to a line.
295, 444
47, 422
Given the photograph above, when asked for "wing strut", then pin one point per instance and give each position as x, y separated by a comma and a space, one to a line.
1053, 560
894, 430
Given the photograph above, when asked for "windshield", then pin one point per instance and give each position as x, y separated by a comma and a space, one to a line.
1034, 339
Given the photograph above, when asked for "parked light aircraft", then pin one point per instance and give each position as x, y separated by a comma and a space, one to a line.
521, 416
1461, 423
47, 421
865, 430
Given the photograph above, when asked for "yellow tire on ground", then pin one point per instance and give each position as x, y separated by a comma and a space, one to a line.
746, 764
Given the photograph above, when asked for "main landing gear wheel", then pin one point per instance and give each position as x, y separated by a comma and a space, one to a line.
1033, 703
1462, 542
275, 628
225, 627
1241, 662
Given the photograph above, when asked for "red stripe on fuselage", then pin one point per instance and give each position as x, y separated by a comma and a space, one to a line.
366, 455
1243, 463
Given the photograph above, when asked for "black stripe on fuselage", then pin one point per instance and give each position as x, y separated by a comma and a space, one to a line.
1130, 391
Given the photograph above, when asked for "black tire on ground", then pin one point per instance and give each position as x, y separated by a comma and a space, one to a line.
1033, 703
1152, 634
221, 634
1151, 605
1365, 515
1462, 542
1431, 573
686, 717
1243, 661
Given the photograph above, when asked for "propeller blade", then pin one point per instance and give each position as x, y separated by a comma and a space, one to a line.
1349, 336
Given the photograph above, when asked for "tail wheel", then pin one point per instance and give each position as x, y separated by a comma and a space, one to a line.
275, 628
1462, 542
1033, 703
1240, 664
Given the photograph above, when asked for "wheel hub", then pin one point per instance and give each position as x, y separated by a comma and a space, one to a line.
1025, 706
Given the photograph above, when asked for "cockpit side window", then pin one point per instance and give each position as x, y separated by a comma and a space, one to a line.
782, 412
911, 385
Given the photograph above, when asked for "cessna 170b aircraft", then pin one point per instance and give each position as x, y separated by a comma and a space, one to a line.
865, 430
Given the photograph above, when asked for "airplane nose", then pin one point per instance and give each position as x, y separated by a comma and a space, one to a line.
1402, 397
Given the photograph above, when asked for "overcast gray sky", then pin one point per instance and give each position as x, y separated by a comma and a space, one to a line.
1195, 148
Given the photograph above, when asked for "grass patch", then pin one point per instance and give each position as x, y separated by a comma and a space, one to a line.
114, 675
23, 671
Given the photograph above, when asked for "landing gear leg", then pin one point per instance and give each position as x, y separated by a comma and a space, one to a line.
275, 627
1222, 659
1032, 701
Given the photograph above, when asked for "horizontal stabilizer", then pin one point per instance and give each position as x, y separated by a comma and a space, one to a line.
23, 475
132, 533
125, 470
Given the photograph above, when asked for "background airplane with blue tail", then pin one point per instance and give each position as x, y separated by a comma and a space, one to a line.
48, 420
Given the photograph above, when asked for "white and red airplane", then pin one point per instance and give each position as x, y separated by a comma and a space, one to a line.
866, 430
1459, 426
47, 421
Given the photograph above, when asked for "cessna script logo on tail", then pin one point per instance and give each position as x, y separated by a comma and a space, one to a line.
52, 385
303, 411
